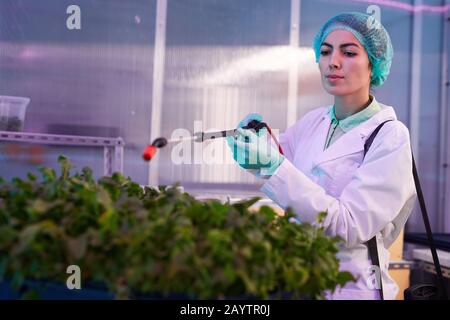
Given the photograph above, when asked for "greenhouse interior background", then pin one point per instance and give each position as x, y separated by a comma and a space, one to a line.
126, 72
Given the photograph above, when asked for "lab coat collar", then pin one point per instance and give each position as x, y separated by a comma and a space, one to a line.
357, 118
353, 140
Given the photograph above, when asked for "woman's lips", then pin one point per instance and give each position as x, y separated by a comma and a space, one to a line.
333, 79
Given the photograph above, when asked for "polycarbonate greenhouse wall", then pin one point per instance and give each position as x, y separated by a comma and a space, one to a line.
140, 69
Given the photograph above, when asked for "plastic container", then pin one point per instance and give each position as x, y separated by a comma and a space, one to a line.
12, 113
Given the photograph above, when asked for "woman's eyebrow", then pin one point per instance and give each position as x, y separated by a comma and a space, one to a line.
344, 45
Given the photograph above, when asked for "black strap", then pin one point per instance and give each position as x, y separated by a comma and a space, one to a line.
423, 208
372, 243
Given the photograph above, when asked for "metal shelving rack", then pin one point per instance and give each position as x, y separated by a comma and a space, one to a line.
113, 148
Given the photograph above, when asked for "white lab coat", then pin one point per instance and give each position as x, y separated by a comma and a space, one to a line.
362, 198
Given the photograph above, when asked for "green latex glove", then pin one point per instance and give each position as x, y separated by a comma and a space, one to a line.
254, 152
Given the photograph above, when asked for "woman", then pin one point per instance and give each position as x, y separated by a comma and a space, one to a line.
324, 167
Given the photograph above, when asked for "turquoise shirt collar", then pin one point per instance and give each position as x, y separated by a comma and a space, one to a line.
357, 118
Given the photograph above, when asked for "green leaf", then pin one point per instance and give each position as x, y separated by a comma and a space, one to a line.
77, 246
48, 174
3, 265
321, 216
65, 167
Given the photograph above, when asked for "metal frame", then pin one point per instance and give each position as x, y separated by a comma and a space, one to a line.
414, 114
444, 170
418, 265
404, 264
294, 42
429, 267
113, 148
158, 84
442, 134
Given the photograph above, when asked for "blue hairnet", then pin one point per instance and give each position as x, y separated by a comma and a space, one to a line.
370, 33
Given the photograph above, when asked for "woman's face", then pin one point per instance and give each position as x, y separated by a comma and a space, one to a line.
344, 64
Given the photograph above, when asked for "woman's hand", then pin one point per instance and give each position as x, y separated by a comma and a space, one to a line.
253, 151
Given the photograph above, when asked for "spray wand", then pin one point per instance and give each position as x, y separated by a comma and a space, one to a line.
150, 150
